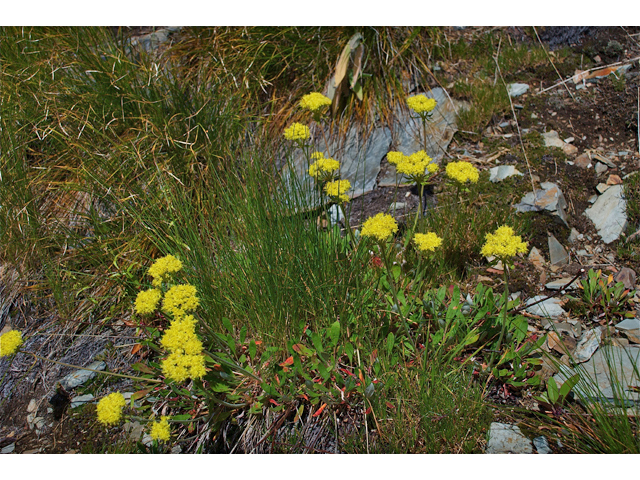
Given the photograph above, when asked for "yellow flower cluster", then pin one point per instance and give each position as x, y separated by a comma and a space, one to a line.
337, 189
180, 299
323, 168
395, 157
110, 409
181, 337
160, 430
416, 166
314, 102
421, 104
10, 342
296, 132
163, 267
317, 155
180, 367
147, 301
462, 172
427, 242
504, 243
381, 227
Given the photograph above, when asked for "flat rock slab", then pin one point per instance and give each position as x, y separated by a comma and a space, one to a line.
506, 438
81, 400
542, 445
548, 198
517, 89
609, 214
608, 363
587, 345
558, 256
497, 174
79, 377
560, 283
550, 308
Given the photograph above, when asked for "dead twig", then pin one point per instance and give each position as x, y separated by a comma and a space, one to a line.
552, 64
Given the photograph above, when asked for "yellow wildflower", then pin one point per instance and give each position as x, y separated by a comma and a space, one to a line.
421, 104
323, 169
314, 102
181, 337
147, 301
110, 409
317, 155
416, 166
427, 242
180, 299
395, 157
160, 430
162, 268
504, 243
296, 132
382, 226
336, 190
180, 367
462, 171
10, 342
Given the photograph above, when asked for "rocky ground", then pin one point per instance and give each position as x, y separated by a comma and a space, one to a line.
587, 150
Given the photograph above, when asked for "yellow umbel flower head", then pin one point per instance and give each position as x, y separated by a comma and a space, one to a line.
297, 132
323, 169
337, 189
181, 337
163, 268
315, 102
160, 430
381, 227
147, 301
427, 242
417, 166
10, 342
421, 104
504, 243
180, 367
110, 409
395, 157
180, 299
462, 172
317, 155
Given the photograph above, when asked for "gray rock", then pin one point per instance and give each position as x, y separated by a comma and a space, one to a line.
587, 345
542, 445
505, 438
9, 448
335, 214
517, 89
601, 168
609, 214
536, 258
397, 206
497, 174
134, 430
558, 256
552, 139
602, 187
608, 376
81, 400
33, 406
79, 377
548, 198
550, 308
407, 131
582, 161
627, 276
560, 283
629, 324
574, 236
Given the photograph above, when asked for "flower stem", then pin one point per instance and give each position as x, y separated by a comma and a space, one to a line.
392, 284
347, 224
504, 314
419, 213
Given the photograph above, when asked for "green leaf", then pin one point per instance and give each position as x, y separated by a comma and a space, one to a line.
317, 343
141, 367
252, 349
391, 338
243, 334
552, 390
227, 325
370, 390
334, 333
182, 417
568, 385
348, 348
